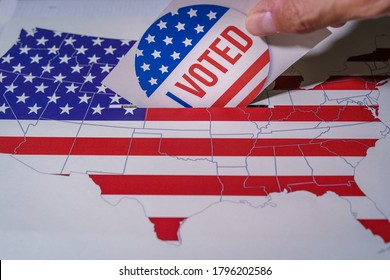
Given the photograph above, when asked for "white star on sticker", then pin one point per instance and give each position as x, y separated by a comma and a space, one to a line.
97, 110
115, 99
24, 49
7, 59
162, 24
97, 41
82, 50
150, 38
89, 78
47, 68
120, 57
41, 88
174, 13
71, 88
84, 99
59, 78
110, 50
106, 68
163, 69
76, 68
29, 78
53, 98
180, 26
57, 34
53, 50
10, 88
22, 98
187, 42
34, 109
2, 77
168, 40
156, 54
192, 13
42, 41
93, 59
69, 41
145, 67
125, 43
199, 29
31, 32
139, 52
175, 55
212, 15
35, 59
129, 110
18, 68
65, 59
153, 81
101, 89
3, 108
66, 109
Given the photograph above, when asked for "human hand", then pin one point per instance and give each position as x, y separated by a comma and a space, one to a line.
303, 16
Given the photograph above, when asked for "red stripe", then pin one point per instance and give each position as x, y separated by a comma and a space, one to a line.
351, 83
238, 85
167, 229
378, 227
251, 96
279, 113
8, 145
223, 185
187, 146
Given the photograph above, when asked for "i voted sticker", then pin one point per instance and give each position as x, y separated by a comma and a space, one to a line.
200, 56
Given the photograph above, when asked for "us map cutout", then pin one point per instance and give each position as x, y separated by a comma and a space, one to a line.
57, 118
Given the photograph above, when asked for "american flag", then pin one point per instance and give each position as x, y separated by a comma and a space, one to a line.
57, 118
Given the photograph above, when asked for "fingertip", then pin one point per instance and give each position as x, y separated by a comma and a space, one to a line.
261, 24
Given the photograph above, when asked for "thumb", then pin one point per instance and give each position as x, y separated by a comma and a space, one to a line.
303, 16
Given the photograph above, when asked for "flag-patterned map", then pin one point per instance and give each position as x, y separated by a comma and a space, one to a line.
57, 118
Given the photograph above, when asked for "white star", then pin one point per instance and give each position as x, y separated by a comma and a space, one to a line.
82, 50
163, 69
69, 41
192, 13
7, 59
3, 108
129, 110
101, 89
125, 43
212, 15
76, 68
57, 34
150, 38
66, 109
110, 50
162, 24
89, 78
84, 99
115, 99
47, 68
175, 55
168, 40
53, 50
42, 41
180, 26
139, 52
24, 49
71, 88
106, 68
35, 59
59, 78
156, 54
2, 77
153, 81
41, 88
93, 59
65, 59
97, 110
97, 41
31, 32
29, 78
145, 67
120, 57
10, 88
176, 12
199, 29
22, 98
53, 98
187, 42
34, 109
18, 68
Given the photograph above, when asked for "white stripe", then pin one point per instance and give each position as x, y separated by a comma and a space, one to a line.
10, 128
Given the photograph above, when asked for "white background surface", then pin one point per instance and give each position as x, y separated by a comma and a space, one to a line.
44, 216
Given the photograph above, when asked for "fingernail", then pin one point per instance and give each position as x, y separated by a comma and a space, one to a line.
261, 24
